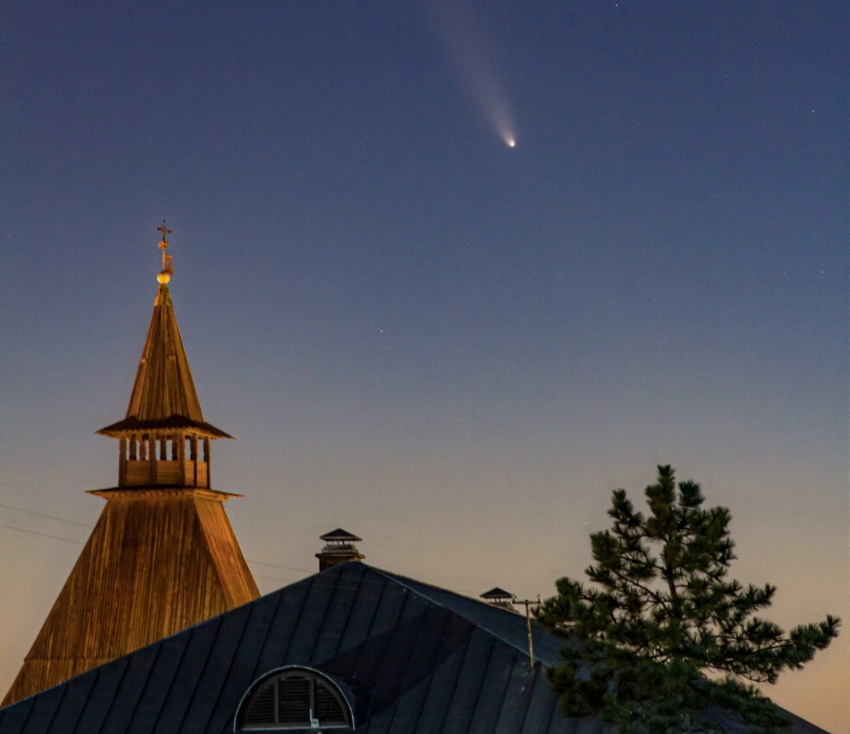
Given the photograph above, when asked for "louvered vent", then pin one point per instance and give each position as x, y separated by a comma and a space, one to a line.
294, 697
329, 708
297, 700
261, 709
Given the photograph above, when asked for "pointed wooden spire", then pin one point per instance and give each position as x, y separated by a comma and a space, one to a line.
164, 395
163, 555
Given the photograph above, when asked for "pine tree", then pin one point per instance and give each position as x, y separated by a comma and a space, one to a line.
664, 642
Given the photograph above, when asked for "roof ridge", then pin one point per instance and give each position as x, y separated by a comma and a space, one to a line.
511, 618
402, 579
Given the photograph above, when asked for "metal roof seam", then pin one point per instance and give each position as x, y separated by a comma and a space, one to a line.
236, 644
255, 672
164, 649
144, 687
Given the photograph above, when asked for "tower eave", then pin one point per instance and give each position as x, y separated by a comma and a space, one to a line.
162, 492
132, 425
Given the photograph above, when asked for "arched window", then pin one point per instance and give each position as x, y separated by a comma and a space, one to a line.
296, 699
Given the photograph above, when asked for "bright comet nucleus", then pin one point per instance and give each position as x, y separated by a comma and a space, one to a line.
471, 54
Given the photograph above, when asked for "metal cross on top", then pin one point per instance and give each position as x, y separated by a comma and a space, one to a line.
165, 231
167, 261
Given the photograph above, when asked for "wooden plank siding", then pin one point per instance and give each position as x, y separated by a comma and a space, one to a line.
137, 473
157, 561
164, 396
164, 384
163, 555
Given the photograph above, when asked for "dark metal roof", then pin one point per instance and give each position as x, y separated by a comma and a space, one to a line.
497, 593
502, 623
340, 535
419, 659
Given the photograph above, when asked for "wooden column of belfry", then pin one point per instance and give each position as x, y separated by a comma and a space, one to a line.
163, 555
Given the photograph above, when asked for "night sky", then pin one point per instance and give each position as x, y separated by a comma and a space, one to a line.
454, 348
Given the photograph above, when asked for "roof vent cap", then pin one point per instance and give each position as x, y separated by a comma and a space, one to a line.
498, 597
339, 548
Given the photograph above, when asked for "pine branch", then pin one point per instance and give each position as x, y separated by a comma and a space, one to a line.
642, 651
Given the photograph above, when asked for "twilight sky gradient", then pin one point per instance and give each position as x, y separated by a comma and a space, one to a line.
450, 347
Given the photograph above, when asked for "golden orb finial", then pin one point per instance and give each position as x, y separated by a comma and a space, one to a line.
167, 260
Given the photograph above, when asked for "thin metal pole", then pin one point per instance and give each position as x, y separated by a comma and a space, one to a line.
528, 603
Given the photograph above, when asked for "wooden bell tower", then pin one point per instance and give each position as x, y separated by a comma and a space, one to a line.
164, 440
163, 555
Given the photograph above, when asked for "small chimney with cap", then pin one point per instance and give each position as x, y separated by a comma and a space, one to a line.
499, 598
339, 548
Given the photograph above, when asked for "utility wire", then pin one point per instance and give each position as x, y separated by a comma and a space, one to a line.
273, 578
89, 527
41, 514
43, 535
277, 565
79, 542
359, 588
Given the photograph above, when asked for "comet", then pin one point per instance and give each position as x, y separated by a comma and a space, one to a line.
471, 56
